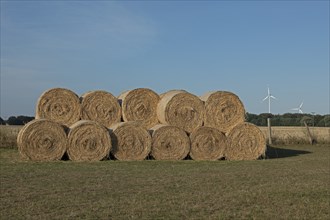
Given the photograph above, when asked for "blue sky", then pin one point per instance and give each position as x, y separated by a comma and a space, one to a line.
199, 46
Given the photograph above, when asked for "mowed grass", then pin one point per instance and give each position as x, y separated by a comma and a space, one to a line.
293, 183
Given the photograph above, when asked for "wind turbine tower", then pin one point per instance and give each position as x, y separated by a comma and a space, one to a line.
269, 97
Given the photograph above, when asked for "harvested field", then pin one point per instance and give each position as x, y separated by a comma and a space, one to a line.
8, 135
297, 135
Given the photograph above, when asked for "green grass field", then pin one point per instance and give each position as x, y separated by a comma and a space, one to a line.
293, 183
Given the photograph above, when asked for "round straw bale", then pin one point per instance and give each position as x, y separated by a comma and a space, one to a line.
140, 105
88, 141
169, 142
223, 110
172, 90
42, 140
60, 105
207, 144
130, 141
182, 109
100, 106
245, 142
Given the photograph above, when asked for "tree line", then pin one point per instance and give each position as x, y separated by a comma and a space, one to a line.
287, 119
16, 120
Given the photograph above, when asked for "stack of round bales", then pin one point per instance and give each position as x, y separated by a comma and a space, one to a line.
225, 112
140, 124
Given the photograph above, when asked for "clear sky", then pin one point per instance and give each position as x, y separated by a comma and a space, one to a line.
199, 46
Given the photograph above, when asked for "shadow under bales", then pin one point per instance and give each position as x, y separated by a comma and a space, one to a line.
274, 152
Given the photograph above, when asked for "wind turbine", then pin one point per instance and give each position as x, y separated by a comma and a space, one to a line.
269, 97
299, 108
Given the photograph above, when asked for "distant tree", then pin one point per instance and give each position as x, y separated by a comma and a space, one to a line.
317, 119
2, 122
307, 119
249, 117
324, 122
327, 120
266, 115
254, 119
288, 119
276, 120
263, 118
287, 115
12, 120
25, 119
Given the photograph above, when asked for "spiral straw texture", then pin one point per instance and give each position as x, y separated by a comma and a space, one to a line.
207, 144
42, 140
169, 143
246, 142
88, 141
59, 105
100, 106
140, 105
182, 109
130, 141
223, 110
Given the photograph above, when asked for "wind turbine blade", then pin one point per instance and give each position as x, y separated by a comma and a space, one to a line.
268, 91
273, 97
301, 104
300, 111
265, 98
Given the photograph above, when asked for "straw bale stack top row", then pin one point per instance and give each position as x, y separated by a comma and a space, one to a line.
220, 109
